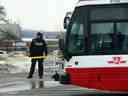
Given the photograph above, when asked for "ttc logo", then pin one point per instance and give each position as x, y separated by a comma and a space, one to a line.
117, 60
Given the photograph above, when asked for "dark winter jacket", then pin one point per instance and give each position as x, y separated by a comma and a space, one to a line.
38, 47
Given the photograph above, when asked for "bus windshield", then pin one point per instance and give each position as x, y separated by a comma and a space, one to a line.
98, 30
76, 34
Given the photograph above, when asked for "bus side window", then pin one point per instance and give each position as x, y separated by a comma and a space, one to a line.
122, 35
120, 40
117, 40
101, 39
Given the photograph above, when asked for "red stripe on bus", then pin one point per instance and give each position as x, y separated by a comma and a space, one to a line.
111, 79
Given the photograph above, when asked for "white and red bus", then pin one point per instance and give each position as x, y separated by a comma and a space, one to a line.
96, 46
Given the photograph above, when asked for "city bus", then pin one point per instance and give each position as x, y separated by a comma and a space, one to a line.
96, 46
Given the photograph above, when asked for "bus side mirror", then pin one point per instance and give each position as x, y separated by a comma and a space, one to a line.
66, 22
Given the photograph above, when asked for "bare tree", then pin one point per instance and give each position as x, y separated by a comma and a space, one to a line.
2, 10
9, 36
6, 34
3, 15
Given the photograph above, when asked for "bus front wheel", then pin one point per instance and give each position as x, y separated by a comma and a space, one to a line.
65, 79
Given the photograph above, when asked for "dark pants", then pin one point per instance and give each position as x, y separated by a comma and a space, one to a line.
40, 67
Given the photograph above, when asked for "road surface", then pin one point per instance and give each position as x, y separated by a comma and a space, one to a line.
18, 85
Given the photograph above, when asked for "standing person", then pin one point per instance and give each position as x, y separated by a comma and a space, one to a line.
37, 50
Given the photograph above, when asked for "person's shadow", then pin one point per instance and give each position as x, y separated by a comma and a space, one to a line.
37, 84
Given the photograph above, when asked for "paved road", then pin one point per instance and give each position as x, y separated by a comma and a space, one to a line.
18, 85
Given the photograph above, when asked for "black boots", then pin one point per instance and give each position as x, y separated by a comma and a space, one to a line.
29, 77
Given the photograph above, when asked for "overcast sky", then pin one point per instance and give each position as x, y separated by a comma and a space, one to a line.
39, 14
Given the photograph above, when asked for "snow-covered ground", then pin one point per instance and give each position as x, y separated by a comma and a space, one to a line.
15, 64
